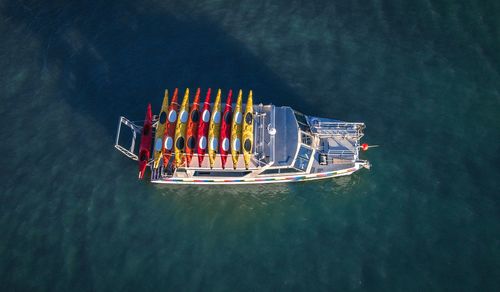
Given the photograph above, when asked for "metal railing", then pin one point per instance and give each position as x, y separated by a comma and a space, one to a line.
129, 152
339, 129
342, 154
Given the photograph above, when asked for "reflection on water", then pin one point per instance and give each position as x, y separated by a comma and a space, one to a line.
251, 201
216, 198
201, 190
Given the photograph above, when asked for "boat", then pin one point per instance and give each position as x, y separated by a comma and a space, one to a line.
236, 128
145, 146
192, 128
214, 131
225, 130
160, 127
180, 130
278, 145
169, 132
203, 129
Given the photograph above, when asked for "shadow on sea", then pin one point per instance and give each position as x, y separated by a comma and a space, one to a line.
116, 58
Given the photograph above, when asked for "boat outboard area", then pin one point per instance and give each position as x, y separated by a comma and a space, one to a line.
263, 144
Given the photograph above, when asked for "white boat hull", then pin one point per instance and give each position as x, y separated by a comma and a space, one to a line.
258, 180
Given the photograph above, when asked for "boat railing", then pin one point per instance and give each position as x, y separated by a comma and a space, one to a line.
342, 154
129, 151
342, 150
338, 129
259, 140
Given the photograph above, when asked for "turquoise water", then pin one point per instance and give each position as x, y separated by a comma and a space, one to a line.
424, 76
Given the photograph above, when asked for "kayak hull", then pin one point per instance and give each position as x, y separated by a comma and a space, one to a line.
169, 133
225, 130
201, 139
236, 127
180, 130
247, 136
160, 129
145, 146
192, 128
214, 130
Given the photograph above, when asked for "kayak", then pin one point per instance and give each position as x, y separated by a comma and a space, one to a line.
236, 127
248, 131
145, 146
213, 130
168, 136
225, 130
192, 127
180, 130
203, 129
162, 118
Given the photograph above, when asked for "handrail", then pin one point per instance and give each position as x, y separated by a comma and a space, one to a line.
135, 129
342, 129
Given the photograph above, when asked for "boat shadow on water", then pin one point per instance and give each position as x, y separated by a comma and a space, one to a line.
248, 204
113, 59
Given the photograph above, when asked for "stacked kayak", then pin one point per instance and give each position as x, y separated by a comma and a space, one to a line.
236, 128
225, 130
160, 128
180, 130
192, 128
247, 135
203, 126
169, 132
184, 132
214, 131
145, 146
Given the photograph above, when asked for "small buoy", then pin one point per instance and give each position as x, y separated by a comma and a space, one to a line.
364, 146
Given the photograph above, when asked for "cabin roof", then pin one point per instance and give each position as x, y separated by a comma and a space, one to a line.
286, 137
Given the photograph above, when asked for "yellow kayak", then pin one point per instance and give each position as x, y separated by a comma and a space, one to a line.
180, 130
248, 131
214, 130
160, 128
236, 128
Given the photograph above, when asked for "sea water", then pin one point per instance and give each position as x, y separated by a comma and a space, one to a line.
423, 75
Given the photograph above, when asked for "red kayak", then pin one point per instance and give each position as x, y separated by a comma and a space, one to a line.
225, 129
203, 129
168, 136
146, 139
192, 127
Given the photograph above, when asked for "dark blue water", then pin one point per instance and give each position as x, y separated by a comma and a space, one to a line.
423, 75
